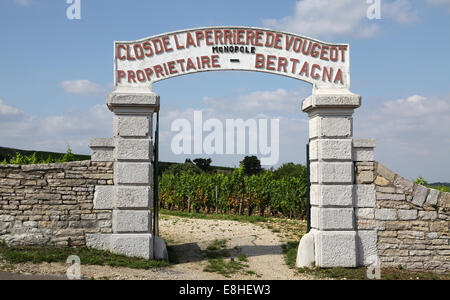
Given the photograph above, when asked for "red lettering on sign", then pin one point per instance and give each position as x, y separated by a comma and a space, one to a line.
208, 37
270, 62
277, 43
305, 69
298, 45
327, 74
259, 37
147, 46
250, 37
339, 77
282, 63
181, 63
166, 43
129, 57
148, 72
215, 61
314, 52
295, 62
343, 49
156, 43
158, 71
259, 61
190, 65
313, 68
189, 40
199, 36
240, 37
179, 47
140, 75
289, 41
218, 37
119, 56
138, 51
324, 52
131, 76
205, 61
120, 74
269, 37
334, 53
228, 36
309, 48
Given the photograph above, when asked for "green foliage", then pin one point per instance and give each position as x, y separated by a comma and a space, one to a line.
290, 170
187, 167
421, 181
251, 165
87, 256
236, 193
204, 164
23, 159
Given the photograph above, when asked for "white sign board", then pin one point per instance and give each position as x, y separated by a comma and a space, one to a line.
138, 64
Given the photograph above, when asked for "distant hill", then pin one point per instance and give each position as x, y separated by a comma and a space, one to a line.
8, 153
440, 184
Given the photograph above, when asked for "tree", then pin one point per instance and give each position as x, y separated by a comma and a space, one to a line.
290, 170
251, 165
203, 163
178, 169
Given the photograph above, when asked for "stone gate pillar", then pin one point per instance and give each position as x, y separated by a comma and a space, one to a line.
131, 197
332, 241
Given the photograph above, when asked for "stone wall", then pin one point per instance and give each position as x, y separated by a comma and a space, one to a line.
52, 204
411, 221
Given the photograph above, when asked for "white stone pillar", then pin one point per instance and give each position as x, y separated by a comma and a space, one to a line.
332, 238
131, 197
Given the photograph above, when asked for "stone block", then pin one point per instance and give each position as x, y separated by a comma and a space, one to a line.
133, 197
335, 249
132, 149
365, 177
364, 143
433, 196
428, 215
365, 213
314, 150
132, 173
98, 241
305, 254
420, 195
332, 195
385, 172
336, 172
335, 127
407, 214
103, 197
363, 154
365, 195
131, 221
385, 214
332, 218
335, 149
133, 126
367, 246
381, 181
404, 184
314, 172
138, 245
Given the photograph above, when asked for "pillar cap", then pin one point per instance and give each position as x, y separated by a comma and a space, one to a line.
148, 101
329, 99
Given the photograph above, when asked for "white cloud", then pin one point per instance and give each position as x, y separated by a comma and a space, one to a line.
84, 88
413, 135
330, 18
445, 3
23, 2
54, 133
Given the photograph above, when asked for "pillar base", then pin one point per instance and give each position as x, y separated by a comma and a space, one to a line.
132, 245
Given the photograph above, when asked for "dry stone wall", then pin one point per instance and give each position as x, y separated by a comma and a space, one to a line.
411, 221
52, 204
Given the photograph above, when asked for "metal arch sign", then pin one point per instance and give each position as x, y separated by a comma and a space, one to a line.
140, 63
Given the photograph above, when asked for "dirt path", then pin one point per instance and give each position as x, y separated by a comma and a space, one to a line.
188, 240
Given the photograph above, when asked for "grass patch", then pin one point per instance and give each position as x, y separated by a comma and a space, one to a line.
217, 244
290, 256
15, 255
219, 265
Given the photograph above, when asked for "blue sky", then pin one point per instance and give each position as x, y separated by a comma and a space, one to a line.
55, 73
